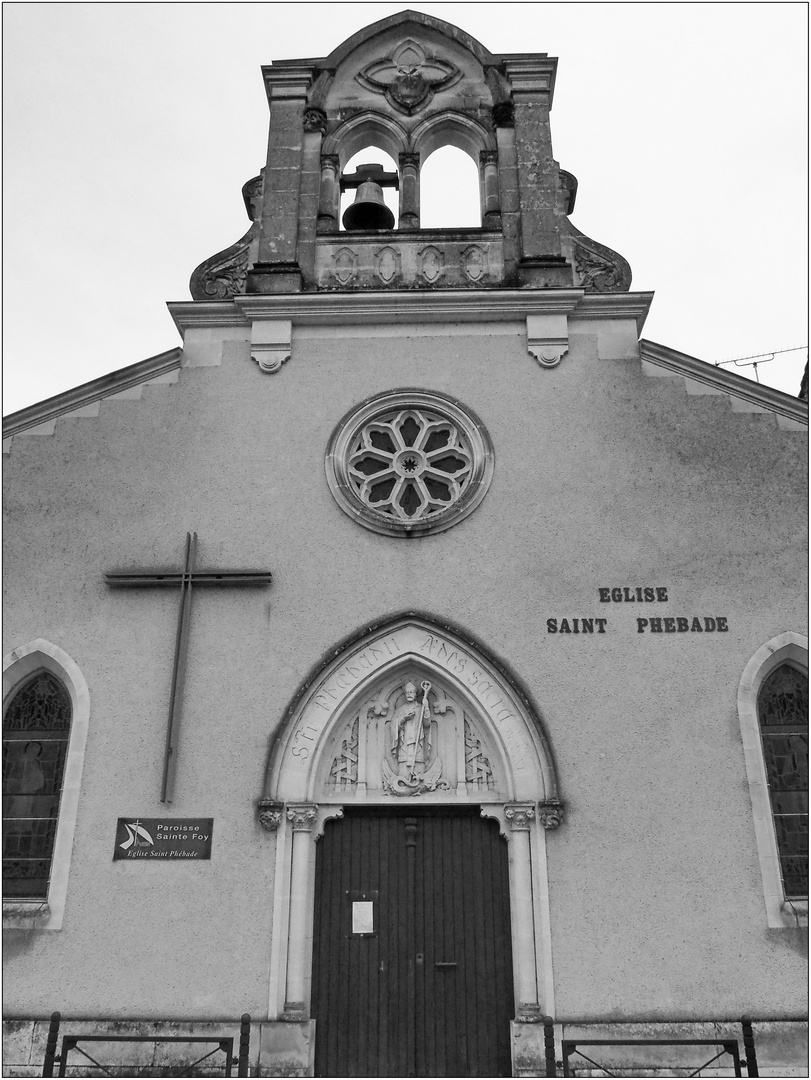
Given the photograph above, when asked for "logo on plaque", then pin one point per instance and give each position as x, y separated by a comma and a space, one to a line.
163, 838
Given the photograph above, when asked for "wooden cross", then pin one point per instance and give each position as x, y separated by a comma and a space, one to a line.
140, 579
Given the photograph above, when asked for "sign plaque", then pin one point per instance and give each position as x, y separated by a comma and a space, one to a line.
170, 839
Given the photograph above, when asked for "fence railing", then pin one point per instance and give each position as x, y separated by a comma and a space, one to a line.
571, 1049
205, 1064
725, 1048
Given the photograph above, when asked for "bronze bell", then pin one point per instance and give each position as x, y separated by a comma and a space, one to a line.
369, 210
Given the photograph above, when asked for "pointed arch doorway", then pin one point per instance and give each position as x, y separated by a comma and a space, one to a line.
413, 787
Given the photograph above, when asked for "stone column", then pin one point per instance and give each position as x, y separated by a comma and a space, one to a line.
491, 204
409, 192
520, 817
541, 263
329, 202
302, 816
277, 268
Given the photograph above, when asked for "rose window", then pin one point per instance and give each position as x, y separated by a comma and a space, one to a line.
408, 462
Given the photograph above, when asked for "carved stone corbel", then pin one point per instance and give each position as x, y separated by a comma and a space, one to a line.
269, 813
315, 120
503, 114
547, 338
550, 814
271, 343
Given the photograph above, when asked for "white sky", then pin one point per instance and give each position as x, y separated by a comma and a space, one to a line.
130, 129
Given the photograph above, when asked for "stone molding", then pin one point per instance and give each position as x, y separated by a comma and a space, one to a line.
81, 396
726, 382
449, 305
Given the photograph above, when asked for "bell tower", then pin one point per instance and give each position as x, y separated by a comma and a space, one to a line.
409, 85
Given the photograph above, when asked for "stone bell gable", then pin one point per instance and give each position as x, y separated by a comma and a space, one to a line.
409, 85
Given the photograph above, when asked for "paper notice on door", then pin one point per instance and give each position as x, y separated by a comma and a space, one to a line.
363, 917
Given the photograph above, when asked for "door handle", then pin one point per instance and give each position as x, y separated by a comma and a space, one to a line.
445, 964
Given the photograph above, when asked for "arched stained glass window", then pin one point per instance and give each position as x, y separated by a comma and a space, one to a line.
36, 730
782, 707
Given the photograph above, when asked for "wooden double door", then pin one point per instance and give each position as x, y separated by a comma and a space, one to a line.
412, 958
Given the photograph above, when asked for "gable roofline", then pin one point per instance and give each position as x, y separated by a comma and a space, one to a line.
78, 397
339, 54
727, 382
669, 360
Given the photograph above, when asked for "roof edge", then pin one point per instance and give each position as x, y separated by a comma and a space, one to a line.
340, 53
113, 383
728, 382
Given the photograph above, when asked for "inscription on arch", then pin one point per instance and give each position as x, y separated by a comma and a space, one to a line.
304, 757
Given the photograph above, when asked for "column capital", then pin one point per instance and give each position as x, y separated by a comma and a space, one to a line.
302, 815
519, 815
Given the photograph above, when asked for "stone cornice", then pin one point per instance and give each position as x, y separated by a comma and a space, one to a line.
727, 382
364, 308
87, 393
291, 80
531, 74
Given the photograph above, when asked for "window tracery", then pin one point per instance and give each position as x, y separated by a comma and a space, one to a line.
36, 731
409, 461
782, 707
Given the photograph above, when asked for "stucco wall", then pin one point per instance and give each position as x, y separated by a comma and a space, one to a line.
603, 477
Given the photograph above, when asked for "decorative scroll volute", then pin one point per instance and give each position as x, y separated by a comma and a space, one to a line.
224, 275
598, 268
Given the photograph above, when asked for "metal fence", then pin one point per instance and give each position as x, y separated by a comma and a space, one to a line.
697, 1055
212, 1055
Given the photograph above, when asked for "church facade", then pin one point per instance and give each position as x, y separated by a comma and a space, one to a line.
415, 659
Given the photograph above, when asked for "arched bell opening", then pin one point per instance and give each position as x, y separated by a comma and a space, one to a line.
446, 143
450, 190
367, 138
410, 716
368, 193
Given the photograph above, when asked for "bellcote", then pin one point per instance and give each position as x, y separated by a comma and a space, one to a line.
407, 86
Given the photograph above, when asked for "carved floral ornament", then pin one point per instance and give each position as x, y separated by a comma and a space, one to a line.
408, 462
410, 778
409, 78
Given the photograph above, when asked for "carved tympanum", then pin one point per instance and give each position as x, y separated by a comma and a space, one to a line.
418, 767
410, 737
